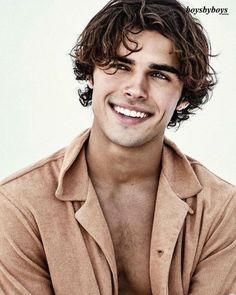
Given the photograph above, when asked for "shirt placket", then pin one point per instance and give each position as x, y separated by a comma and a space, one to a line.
91, 218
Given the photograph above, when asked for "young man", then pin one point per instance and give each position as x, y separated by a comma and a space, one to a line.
122, 210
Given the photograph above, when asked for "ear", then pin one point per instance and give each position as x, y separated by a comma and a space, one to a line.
90, 83
182, 105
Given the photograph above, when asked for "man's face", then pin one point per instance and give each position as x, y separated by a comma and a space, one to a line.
134, 105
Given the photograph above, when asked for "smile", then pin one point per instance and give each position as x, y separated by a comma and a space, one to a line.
130, 112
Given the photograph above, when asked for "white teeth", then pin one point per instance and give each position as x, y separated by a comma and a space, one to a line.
133, 114
129, 113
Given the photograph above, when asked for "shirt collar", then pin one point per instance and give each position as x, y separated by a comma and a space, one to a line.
179, 172
73, 177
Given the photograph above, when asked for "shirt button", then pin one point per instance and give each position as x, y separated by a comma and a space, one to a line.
160, 252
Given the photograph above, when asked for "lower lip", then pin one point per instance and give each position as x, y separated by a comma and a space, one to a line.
129, 120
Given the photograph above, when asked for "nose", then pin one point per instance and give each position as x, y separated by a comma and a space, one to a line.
136, 87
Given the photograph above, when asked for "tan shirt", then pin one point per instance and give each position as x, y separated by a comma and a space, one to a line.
54, 238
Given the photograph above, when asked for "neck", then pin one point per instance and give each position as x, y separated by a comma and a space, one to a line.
119, 165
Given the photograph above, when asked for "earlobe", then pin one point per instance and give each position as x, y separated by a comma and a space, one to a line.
90, 83
182, 105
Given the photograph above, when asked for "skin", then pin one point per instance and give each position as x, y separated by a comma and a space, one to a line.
133, 149
124, 153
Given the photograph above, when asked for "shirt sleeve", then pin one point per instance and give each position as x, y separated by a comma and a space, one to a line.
23, 266
215, 273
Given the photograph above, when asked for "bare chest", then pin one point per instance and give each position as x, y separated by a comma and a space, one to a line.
130, 227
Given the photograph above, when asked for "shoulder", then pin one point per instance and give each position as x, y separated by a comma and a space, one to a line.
191, 178
35, 186
212, 184
215, 204
34, 182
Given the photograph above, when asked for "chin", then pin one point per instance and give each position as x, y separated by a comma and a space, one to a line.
129, 141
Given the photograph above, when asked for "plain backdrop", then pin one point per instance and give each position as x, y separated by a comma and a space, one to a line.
39, 107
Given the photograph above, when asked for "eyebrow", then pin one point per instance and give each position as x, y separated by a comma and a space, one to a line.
152, 66
164, 67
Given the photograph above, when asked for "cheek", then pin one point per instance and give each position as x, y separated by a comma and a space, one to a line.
104, 84
167, 99
113, 81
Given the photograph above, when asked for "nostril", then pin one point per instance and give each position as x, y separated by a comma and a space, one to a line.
135, 92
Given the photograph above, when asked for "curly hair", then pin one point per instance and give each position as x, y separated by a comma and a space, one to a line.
111, 26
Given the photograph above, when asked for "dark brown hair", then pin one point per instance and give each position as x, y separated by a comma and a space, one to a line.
98, 43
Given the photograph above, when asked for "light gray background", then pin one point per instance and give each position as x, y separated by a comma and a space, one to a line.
39, 107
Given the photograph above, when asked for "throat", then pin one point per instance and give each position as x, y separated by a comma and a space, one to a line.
122, 173
117, 164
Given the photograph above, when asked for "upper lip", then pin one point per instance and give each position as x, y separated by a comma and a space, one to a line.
132, 108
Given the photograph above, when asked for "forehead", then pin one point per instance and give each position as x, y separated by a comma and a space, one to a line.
154, 46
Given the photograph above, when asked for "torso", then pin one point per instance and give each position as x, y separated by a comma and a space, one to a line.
130, 218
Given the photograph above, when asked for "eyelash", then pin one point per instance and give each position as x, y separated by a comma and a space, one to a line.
156, 74
120, 66
160, 75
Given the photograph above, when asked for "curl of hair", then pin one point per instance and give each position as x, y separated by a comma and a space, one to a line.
111, 26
